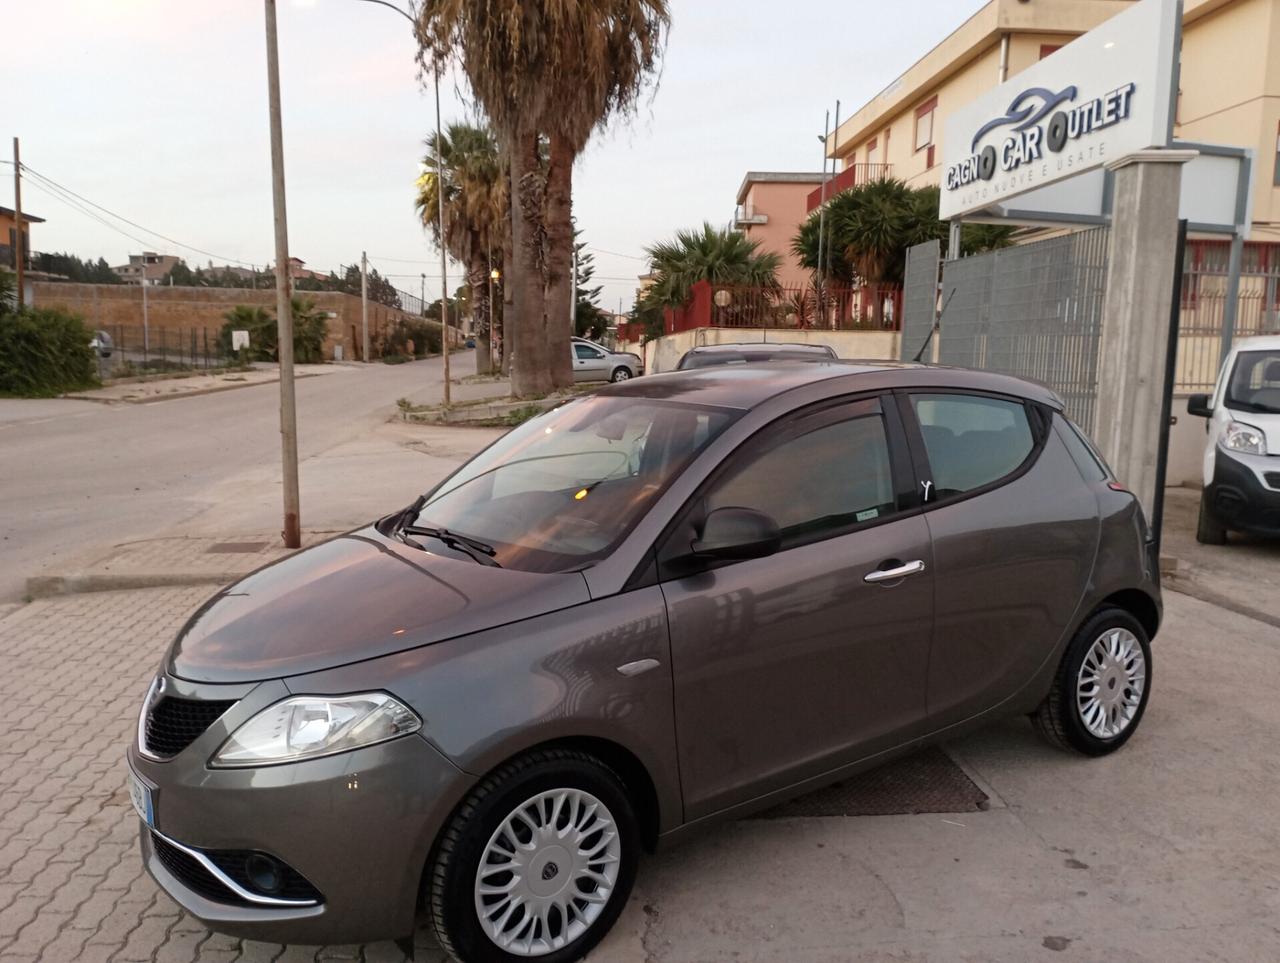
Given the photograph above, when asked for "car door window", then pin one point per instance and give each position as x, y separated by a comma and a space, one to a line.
971, 440
816, 482
585, 353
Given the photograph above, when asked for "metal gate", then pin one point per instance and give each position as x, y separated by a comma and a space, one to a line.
919, 301
1034, 311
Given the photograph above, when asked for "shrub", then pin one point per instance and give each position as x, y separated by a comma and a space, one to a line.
44, 352
424, 335
309, 330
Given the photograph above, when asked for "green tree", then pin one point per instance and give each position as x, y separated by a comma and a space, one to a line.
43, 351
544, 72
310, 328
708, 254
589, 317
467, 168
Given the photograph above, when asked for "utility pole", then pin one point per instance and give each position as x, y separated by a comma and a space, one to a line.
19, 252
444, 279
364, 307
835, 149
284, 312
822, 203
146, 327
422, 296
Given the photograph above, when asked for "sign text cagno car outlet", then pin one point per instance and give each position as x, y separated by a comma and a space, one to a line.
1104, 95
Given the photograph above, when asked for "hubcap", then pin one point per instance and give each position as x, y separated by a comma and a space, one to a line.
547, 872
622, 375
1111, 681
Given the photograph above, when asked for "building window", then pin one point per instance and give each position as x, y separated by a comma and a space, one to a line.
1048, 48
871, 152
924, 123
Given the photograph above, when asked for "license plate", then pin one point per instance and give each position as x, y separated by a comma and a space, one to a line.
140, 794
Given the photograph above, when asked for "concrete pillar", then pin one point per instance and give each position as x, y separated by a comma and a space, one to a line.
1136, 314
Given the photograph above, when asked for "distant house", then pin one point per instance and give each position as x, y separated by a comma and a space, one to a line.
147, 268
298, 271
9, 236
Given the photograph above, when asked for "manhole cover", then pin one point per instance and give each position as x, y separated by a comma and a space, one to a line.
236, 548
924, 782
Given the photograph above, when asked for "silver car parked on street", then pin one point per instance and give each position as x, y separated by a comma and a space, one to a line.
595, 362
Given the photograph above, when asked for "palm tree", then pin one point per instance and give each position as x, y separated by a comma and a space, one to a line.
468, 165
708, 254
544, 70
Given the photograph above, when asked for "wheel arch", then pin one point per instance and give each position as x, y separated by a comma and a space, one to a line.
1138, 604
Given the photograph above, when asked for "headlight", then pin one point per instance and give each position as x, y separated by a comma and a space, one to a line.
305, 727
1243, 438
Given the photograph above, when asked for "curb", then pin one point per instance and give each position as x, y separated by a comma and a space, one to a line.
52, 586
175, 396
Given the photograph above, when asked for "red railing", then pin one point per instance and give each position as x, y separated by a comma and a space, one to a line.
866, 307
851, 176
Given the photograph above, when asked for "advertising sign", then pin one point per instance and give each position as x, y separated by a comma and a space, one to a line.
1106, 94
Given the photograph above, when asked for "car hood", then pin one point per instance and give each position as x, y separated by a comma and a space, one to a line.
358, 596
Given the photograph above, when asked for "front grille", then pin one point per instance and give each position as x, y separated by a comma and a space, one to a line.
235, 863
173, 723
191, 874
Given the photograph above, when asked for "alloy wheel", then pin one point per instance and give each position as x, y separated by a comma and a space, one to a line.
547, 872
1110, 683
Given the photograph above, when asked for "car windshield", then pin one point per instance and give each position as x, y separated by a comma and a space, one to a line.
564, 489
1255, 382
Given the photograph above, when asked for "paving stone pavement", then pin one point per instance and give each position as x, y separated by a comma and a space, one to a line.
72, 888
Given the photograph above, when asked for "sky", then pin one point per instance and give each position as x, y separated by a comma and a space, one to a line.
157, 111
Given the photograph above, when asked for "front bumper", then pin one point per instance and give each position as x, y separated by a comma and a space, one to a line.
357, 826
1240, 496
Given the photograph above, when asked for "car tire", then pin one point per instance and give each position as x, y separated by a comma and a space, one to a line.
620, 374
1068, 717
474, 836
1209, 531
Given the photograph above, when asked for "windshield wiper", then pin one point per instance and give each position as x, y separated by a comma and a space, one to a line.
475, 548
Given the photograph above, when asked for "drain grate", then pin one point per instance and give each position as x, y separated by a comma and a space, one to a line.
924, 782
235, 548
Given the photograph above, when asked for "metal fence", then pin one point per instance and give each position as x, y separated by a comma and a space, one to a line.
1033, 310
920, 301
828, 308
134, 350
1201, 345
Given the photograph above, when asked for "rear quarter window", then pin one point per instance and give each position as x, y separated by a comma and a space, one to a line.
972, 440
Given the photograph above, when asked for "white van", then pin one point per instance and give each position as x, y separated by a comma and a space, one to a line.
1242, 456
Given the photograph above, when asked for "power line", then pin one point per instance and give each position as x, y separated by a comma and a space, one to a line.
600, 250
50, 182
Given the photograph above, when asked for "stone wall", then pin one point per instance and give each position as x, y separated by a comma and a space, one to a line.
178, 311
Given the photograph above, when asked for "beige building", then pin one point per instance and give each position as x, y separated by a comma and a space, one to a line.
1229, 88
147, 268
9, 236
771, 207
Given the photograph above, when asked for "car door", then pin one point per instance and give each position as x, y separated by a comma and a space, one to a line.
588, 363
1014, 532
788, 666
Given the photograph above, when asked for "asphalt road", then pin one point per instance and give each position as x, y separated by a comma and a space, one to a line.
77, 474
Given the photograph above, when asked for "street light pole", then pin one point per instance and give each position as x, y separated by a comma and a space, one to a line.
284, 313
364, 307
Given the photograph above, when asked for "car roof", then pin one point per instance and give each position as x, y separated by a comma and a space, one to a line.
748, 385
1259, 343
747, 347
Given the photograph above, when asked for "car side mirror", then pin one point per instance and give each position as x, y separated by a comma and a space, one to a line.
1199, 405
737, 533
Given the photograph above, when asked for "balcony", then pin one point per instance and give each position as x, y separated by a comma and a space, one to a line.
851, 176
746, 214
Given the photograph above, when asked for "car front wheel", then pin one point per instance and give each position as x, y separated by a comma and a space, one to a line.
1101, 688
537, 863
620, 374
1209, 531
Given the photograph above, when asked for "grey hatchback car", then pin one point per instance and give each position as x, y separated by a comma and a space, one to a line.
680, 599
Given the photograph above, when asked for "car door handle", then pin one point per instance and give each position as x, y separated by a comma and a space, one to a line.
889, 574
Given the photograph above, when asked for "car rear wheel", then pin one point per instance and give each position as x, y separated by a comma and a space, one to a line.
620, 374
1102, 686
537, 863
1209, 531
